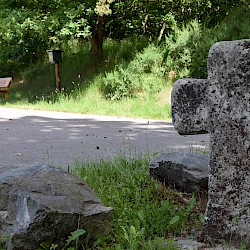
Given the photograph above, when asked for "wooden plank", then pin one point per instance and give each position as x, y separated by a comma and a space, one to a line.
4, 85
5, 82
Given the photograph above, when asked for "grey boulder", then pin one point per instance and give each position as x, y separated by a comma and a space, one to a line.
44, 204
182, 171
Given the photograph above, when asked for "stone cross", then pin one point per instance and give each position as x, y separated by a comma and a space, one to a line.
220, 105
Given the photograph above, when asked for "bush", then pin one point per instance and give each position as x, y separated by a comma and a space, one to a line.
180, 47
235, 26
143, 74
119, 84
187, 49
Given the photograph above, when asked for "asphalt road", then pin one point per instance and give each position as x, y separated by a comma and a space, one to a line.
30, 137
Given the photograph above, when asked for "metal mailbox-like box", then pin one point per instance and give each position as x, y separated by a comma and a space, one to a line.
55, 55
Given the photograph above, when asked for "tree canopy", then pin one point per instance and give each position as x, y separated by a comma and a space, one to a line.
29, 27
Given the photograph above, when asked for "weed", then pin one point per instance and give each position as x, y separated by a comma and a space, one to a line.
71, 239
144, 210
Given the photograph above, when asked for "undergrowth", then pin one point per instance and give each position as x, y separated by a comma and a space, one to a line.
187, 49
144, 74
145, 211
132, 75
146, 214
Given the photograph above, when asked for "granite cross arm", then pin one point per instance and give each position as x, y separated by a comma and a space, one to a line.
189, 106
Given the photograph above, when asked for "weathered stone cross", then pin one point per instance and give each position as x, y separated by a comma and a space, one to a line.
220, 105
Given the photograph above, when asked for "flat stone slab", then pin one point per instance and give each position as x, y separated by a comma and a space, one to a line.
183, 171
45, 204
189, 244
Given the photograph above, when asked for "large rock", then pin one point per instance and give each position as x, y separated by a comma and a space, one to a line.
44, 204
182, 171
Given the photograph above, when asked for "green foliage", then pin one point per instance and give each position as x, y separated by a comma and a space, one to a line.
187, 49
129, 68
73, 238
120, 84
21, 41
143, 209
235, 26
180, 48
143, 74
3, 240
30, 27
82, 85
124, 51
157, 18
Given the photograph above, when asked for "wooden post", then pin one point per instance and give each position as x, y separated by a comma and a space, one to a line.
58, 77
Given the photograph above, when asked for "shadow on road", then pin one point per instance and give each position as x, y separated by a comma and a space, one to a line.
62, 139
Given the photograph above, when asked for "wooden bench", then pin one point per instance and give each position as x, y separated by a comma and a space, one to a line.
4, 85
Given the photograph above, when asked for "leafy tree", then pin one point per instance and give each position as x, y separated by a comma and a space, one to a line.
29, 27
156, 18
102, 9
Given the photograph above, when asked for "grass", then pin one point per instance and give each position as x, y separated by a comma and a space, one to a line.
84, 85
91, 101
146, 214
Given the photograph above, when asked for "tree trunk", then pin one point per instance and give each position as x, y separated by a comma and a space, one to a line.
97, 41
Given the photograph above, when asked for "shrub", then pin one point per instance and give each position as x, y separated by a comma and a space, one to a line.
178, 52
143, 74
187, 49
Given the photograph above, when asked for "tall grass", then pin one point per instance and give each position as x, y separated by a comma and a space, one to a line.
145, 212
83, 85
